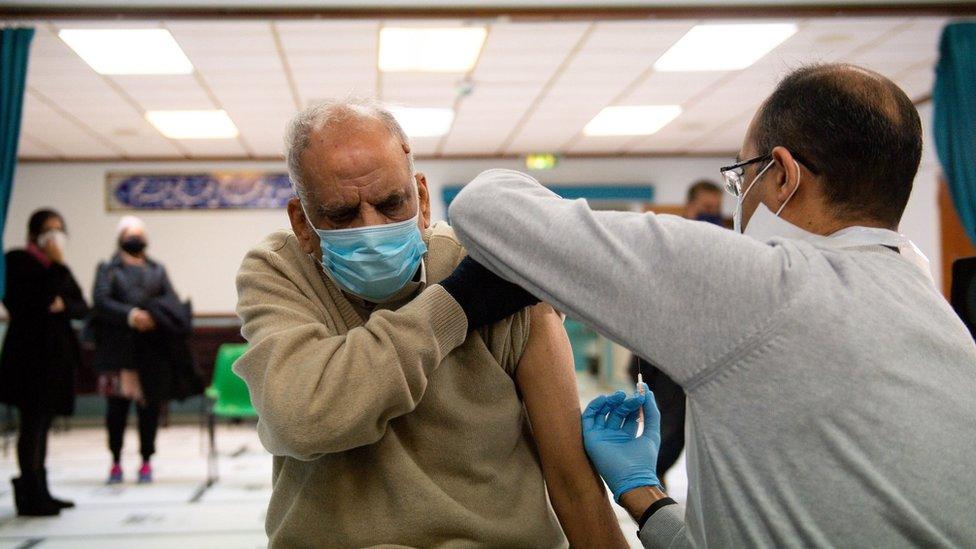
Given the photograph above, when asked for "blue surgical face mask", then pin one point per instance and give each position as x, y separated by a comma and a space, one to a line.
373, 262
710, 218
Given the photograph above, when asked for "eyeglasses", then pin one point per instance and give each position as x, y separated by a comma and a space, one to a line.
734, 174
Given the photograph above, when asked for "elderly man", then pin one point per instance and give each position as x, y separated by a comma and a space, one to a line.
394, 412
830, 386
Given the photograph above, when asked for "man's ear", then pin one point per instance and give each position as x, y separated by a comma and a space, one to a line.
787, 176
423, 196
308, 240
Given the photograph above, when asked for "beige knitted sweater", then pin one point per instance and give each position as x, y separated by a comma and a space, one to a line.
396, 430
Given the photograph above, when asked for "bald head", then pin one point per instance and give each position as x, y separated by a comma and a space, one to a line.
854, 129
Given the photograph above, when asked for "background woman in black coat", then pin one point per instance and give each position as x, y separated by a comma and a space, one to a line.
133, 349
40, 352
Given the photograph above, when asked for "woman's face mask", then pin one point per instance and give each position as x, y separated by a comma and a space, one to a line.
373, 262
133, 245
57, 237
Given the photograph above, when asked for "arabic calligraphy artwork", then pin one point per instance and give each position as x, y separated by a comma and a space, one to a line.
197, 191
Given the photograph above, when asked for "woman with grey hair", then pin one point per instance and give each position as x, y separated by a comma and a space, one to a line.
132, 351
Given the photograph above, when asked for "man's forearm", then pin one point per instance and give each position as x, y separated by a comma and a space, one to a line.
585, 513
636, 278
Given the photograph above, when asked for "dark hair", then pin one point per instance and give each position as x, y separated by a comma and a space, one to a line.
855, 129
37, 220
702, 186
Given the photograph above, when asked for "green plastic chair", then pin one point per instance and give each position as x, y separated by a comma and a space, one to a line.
229, 399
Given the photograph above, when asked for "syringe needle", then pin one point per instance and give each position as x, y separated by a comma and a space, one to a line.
640, 390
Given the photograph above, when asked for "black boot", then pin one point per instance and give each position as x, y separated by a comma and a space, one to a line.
60, 503
29, 499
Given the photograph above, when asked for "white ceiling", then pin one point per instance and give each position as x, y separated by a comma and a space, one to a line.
536, 84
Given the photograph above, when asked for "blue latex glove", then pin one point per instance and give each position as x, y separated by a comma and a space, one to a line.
624, 460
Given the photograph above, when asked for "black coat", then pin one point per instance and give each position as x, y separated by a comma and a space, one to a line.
157, 354
40, 352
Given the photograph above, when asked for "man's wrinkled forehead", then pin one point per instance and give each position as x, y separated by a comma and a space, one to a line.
354, 158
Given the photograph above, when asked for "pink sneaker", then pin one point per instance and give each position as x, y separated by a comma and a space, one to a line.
145, 473
115, 475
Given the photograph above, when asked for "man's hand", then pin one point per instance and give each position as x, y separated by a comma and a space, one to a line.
485, 297
141, 320
57, 306
624, 460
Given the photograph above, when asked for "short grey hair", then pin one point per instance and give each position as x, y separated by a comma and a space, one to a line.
328, 113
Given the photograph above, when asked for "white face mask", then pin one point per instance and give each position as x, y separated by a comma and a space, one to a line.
60, 239
737, 215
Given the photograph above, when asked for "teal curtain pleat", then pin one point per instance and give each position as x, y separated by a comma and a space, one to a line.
954, 99
14, 50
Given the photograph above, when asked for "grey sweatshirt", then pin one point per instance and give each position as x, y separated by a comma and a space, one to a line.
831, 392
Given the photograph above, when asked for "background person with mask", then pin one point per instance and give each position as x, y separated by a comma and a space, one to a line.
830, 386
40, 352
704, 203
132, 356
395, 412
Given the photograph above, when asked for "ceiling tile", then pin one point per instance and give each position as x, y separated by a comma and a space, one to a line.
536, 83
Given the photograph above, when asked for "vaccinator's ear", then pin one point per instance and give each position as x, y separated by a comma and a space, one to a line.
787, 176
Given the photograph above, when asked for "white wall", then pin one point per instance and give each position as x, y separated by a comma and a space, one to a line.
921, 219
202, 250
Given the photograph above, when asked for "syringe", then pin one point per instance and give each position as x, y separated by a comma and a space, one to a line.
640, 390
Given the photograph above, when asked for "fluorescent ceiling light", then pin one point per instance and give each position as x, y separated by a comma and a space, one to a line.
423, 122
193, 124
632, 120
128, 51
723, 47
430, 49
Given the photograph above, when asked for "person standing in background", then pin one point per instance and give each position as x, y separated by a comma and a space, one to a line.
40, 352
704, 204
132, 355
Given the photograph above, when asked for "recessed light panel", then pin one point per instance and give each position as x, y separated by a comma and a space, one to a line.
193, 124
128, 51
430, 49
723, 47
423, 122
632, 120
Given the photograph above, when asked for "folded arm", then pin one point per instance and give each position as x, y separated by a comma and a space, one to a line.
546, 379
107, 308
70, 292
317, 392
27, 295
681, 293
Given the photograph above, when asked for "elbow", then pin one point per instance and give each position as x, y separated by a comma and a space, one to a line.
282, 439
472, 197
298, 434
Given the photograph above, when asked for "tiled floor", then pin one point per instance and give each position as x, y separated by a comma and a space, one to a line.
177, 510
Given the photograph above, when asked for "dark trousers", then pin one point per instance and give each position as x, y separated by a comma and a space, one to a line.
32, 440
670, 398
116, 419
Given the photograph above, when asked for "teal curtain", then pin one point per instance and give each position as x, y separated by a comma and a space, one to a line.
954, 99
14, 49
